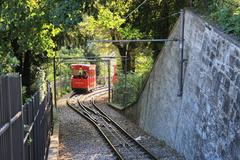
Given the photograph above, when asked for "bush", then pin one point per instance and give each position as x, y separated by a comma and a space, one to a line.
228, 17
8, 62
135, 80
225, 13
125, 96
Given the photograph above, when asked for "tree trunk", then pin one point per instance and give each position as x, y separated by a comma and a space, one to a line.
206, 4
133, 64
123, 50
179, 4
19, 56
191, 3
129, 62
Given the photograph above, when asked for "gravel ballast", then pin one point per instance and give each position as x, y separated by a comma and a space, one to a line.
80, 140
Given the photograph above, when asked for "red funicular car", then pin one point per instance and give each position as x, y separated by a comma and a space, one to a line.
83, 77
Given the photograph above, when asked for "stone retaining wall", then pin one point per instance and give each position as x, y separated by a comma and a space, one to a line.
205, 122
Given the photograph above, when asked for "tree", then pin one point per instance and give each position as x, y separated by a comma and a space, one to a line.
137, 25
26, 35
110, 24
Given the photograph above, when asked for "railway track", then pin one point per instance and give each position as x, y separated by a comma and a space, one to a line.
122, 143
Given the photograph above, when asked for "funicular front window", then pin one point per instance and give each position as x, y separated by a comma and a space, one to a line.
80, 74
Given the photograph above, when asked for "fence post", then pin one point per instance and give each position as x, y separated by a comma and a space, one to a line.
9, 117
14, 114
34, 130
22, 120
55, 85
51, 105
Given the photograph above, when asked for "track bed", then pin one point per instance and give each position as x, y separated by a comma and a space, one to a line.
81, 140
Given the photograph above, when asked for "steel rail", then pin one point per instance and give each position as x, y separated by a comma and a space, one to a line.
121, 129
94, 123
88, 116
94, 104
108, 127
95, 116
91, 110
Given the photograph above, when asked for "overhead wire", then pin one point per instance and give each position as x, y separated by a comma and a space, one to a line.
171, 15
136, 8
133, 40
139, 40
174, 14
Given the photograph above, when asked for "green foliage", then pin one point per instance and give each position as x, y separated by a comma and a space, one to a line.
135, 80
125, 96
129, 32
27, 40
108, 24
102, 73
8, 63
104, 25
227, 17
144, 60
25, 22
225, 13
73, 52
63, 13
40, 83
143, 64
63, 79
109, 20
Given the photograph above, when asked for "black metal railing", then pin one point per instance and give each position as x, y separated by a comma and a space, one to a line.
24, 129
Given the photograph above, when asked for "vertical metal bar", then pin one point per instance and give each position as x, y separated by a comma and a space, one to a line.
125, 82
31, 146
34, 138
9, 118
112, 95
55, 85
181, 49
51, 105
22, 120
1, 116
109, 80
61, 81
36, 124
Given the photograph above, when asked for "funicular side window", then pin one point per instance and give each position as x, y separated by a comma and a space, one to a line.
84, 75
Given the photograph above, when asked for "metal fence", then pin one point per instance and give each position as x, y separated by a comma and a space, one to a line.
24, 129
126, 93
